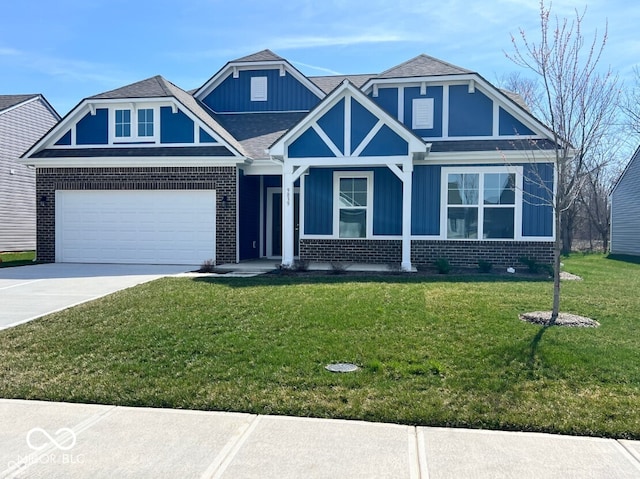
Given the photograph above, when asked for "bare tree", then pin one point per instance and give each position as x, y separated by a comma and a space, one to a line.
577, 103
630, 104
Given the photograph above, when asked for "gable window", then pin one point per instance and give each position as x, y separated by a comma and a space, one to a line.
482, 204
123, 123
353, 212
422, 114
258, 88
145, 122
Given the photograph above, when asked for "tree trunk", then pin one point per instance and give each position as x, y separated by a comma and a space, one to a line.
557, 251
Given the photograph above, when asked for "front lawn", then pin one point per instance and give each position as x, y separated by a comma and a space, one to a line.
441, 350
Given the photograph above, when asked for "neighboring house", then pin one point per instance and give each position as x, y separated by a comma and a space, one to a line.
23, 121
625, 210
422, 161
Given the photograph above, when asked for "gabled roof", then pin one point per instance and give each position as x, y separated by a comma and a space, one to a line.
263, 56
159, 87
328, 83
7, 101
423, 66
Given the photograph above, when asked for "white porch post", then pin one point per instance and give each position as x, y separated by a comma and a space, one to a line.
407, 180
287, 216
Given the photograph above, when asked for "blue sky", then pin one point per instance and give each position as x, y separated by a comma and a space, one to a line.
71, 49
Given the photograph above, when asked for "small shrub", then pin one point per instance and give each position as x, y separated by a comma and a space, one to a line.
338, 267
484, 266
443, 266
207, 266
531, 264
301, 265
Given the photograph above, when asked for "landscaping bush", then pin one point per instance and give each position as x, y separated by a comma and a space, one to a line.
443, 266
484, 266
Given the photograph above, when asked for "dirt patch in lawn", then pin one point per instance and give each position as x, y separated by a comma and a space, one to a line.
564, 319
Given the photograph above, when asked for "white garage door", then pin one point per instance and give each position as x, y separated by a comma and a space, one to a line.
146, 227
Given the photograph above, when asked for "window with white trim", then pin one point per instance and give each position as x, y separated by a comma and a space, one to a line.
134, 125
482, 203
145, 122
258, 88
422, 113
354, 204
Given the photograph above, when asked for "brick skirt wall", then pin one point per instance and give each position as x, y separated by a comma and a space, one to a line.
221, 179
464, 254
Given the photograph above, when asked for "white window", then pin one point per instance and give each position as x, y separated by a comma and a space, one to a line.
258, 88
482, 203
353, 200
422, 114
134, 125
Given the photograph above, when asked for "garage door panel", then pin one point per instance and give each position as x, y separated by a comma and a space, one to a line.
150, 226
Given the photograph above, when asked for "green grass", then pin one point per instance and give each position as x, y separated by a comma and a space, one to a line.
17, 259
445, 351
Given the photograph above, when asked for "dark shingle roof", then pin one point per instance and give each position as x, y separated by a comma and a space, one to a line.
263, 56
328, 83
258, 131
7, 101
423, 66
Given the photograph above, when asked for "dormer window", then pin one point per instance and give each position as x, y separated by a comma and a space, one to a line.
258, 88
145, 122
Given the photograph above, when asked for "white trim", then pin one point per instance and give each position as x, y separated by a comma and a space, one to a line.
401, 104
481, 171
490, 157
22, 103
327, 141
270, 191
367, 139
445, 111
106, 162
337, 176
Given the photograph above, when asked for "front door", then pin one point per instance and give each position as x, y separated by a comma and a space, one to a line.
274, 222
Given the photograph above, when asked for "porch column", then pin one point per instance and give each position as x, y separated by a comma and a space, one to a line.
407, 181
287, 217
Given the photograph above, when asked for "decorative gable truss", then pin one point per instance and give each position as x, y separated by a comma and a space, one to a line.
347, 130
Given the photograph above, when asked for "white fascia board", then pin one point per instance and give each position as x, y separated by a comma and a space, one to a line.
229, 68
101, 162
263, 167
353, 162
461, 79
491, 157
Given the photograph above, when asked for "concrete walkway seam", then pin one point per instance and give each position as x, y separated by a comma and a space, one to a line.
227, 454
630, 454
422, 453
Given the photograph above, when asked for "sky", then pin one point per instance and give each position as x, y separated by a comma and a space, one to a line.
71, 49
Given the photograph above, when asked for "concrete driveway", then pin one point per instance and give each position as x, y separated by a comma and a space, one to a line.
28, 292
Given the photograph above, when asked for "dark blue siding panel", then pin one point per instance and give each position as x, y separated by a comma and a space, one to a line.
318, 202
206, 137
537, 212
470, 114
332, 123
425, 201
309, 144
283, 94
175, 127
249, 216
387, 202
512, 126
388, 100
434, 92
93, 129
362, 121
386, 143
65, 140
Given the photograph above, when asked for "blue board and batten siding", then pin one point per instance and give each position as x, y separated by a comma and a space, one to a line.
248, 216
93, 129
284, 93
175, 127
537, 214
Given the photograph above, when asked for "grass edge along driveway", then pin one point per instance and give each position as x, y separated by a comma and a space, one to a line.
437, 351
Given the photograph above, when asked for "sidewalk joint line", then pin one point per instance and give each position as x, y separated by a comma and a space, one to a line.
630, 454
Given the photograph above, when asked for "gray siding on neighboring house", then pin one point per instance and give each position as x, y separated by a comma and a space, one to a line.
20, 128
625, 210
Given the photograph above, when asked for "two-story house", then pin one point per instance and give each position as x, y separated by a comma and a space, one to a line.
422, 161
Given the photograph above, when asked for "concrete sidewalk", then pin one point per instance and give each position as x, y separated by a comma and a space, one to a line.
55, 440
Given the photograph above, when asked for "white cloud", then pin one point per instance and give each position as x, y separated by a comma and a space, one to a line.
313, 67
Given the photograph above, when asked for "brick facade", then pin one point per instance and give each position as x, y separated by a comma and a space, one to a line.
466, 254
221, 179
